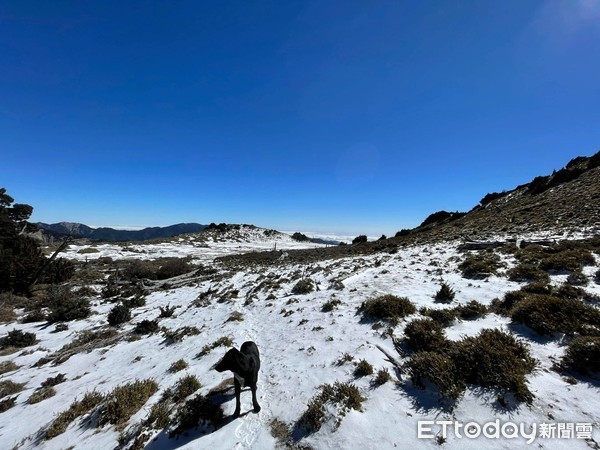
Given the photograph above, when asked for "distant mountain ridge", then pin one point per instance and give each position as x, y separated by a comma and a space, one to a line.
79, 230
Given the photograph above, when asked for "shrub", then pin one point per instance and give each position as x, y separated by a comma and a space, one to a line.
480, 266
7, 314
18, 339
445, 294
577, 278
126, 400
178, 365
583, 355
387, 307
363, 368
425, 335
65, 305
146, 327
341, 396
547, 314
53, 381
359, 239
495, 359
443, 316
34, 316
471, 310
438, 369
118, 315
135, 302
139, 269
330, 305
303, 286
200, 408
173, 268
524, 272
568, 260
235, 316
167, 311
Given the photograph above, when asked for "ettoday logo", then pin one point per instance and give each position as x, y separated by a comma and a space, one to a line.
430, 429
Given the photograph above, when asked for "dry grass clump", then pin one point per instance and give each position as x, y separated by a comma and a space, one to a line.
7, 366
146, 327
363, 368
382, 377
331, 305
173, 336
341, 397
41, 394
178, 366
184, 387
443, 316
124, 401
9, 387
387, 307
445, 294
78, 408
221, 342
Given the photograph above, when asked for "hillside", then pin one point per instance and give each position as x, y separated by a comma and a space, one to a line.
78, 230
64, 390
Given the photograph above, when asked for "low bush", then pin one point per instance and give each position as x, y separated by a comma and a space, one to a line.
167, 311
387, 307
200, 409
303, 286
547, 314
583, 355
173, 336
65, 305
173, 268
7, 403
330, 305
438, 369
425, 335
480, 265
359, 239
568, 260
136, 302
495, 359
146, 327
36, 315
471, 310
577, 278
118, 315
443, 316
18, 339
525, 272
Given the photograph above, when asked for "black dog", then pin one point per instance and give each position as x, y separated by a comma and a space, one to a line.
244, 364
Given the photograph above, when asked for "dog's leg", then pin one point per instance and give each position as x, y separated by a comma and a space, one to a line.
254, 400
238, 391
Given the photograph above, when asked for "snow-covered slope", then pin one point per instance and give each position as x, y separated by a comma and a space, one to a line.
300, 346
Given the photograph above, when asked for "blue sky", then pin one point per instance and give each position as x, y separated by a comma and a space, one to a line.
346, 117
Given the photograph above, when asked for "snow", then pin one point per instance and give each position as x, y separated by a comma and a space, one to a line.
299, 347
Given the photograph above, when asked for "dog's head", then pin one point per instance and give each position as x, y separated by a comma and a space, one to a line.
231, 361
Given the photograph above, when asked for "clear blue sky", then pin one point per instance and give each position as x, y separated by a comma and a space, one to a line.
349, 117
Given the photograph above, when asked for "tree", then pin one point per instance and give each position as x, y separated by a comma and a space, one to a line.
20, 257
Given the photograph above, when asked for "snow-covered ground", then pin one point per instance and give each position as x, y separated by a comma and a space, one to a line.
299, 345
